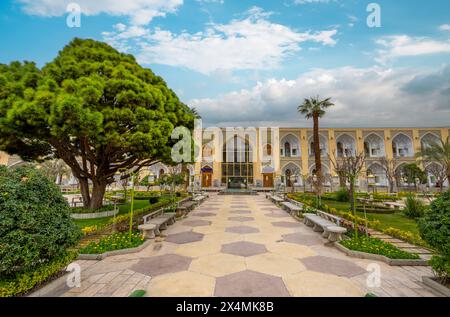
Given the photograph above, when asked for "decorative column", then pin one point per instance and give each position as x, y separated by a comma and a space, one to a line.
305, 151
388, 144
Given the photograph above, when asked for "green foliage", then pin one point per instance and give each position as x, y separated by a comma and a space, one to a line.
377, 246
23, 282
406, 236
116, 241
90, 102
412, 173
434, 228
35, 223
342, 195
414, 207
153, 200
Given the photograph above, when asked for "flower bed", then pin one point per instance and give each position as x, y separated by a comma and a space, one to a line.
376, 246
116, 241
24, 282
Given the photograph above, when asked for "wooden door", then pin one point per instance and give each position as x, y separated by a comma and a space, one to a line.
268, 180
206, 180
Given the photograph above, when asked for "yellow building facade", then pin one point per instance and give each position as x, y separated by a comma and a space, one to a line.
267, 157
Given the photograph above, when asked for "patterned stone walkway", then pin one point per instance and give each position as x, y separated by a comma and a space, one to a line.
242, 246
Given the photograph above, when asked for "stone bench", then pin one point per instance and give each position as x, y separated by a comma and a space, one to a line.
334, 233
187, 206
293, 209
393, 205
327, 224
160, 219
199, 199
274, 198
148, 230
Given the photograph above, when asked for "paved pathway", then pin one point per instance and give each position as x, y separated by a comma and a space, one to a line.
242, 246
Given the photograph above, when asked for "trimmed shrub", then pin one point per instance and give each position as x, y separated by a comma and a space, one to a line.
26, 281
153, 200
35, 223
414, 207
434, 228
342, 195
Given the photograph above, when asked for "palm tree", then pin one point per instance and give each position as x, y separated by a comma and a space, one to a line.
55, 170
438, 152
315, 108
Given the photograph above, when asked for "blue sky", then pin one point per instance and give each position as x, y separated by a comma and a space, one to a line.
255, 61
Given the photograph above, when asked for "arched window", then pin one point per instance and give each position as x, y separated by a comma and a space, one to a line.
269, 149
378, 172
323, 144
290, 146
287, 149
429, 139
374, 146
292, 174
402, 146
345, 146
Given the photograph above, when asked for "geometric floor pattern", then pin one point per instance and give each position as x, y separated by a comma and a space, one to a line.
243, 246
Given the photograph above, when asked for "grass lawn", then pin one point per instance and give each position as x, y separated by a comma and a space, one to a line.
397, 220
123, 209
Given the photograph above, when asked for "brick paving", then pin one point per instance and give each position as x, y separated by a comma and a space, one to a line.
218, 251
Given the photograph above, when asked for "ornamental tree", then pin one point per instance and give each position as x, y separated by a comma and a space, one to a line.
95, 108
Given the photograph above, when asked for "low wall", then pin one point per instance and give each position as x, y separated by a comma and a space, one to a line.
95, 215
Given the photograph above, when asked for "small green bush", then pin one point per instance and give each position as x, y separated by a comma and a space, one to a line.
153, 200
414, 207
434, 228
342, 195
35, 223
23, 282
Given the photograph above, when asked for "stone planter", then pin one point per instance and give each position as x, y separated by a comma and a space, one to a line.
438, 287
378, 257
97, 257
95, 215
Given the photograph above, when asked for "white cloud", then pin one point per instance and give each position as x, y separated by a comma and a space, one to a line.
445, 27
140, 12
403, 45
250, 43
363, 97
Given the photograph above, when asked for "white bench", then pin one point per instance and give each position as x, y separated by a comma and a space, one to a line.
327, 224
293, 209
393, 205
160, 219
274, 198
148, 230
199, 199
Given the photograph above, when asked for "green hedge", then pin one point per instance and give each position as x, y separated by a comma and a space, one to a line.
35, 223
434, 228
25, 282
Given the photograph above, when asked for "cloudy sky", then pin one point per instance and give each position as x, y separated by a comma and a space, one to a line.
254, 61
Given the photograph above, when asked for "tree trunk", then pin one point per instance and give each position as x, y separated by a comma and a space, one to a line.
185, 172
391, 186
317, 154
98, 192
352, 196
84, 187
316, 140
